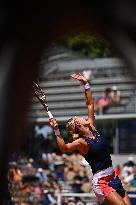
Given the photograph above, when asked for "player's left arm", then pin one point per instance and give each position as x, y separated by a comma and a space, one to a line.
88, 96
90, 105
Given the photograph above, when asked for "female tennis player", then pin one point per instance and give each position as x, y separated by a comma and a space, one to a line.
95, 149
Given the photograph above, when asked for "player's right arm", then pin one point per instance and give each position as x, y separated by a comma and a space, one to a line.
69, 147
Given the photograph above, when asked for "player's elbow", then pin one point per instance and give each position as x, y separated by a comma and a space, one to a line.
64, 149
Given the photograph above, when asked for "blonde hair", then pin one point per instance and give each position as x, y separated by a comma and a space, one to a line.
71, 124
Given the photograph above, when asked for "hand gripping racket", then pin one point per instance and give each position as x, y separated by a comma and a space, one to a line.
42, 98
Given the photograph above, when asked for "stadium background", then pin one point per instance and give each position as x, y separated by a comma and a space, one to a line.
26, 27
40, 154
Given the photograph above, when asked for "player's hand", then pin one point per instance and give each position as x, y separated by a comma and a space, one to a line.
53, 123
80, 77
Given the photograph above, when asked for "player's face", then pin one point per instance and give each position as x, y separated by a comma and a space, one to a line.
82, 121
71, 125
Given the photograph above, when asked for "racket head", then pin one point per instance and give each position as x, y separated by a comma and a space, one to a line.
40, 95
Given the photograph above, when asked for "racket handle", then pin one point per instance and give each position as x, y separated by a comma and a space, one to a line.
50, 114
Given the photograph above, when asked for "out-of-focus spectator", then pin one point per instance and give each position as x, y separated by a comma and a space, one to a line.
127, 170
118, 170
127, 174
133, 181
26, 188
115, 95
69, 173
103, 103
38, 189
86, 186
77, 183
15, 173
48, 197
41, 175
59, 172
111, 98
44, 131
130, 162
47, 160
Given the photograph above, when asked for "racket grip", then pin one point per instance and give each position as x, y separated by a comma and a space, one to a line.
50, 114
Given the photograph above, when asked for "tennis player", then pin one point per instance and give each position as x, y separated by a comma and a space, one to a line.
95, 149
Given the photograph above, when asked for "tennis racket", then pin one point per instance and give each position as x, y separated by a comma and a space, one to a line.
42, 98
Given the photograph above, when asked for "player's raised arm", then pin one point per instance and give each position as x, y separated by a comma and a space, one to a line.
88, 95
70, 147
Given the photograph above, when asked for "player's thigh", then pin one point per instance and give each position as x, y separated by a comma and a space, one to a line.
126, 199
114, 199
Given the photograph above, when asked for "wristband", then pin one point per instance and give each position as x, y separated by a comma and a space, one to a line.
57, 132
86, 86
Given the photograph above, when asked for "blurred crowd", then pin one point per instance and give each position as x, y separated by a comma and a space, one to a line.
30, 183
127, 174
111, 97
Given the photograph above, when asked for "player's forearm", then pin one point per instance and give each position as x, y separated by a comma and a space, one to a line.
89, 103
88, 94
60, 140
